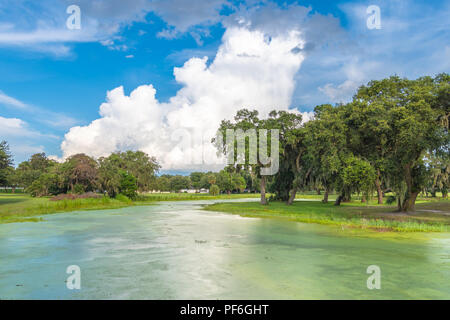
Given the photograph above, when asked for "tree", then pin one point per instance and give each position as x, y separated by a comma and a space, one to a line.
40, 162
207, 180
128, 185
109, 175
29, 171
224, 181
238, 182
358, 176
288, 125
81, 169
46, 184
438, 165
12, 179
413, 115
244, 121
141, 166
214, 190
179, 182
6, 162
196, 178
163, 183
368, 132
325, 148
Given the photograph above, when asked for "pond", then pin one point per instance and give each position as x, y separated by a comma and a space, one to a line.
175, 250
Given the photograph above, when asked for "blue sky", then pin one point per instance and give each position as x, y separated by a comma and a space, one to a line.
54, 79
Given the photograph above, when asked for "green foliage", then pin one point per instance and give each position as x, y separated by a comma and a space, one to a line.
230, 181
196, 177
162, 183
141, 166
179, 182
46, 184
80, 169
128, 185
358, 176
137, 164
123, 198
78, 188
214, 190
282, 182
397, 121
5, 162
391, 200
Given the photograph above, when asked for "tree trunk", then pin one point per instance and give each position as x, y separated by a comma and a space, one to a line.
379, 191
263, 190
410, 198
292, 196
325, 196
346, 196
338, 200
444, 194
409, 202
13, 189
318, 191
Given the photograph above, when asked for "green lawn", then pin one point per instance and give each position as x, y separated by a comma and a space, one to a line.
377, 217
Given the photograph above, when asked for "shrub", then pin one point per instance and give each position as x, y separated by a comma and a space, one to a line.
128, 185
214, 190
390, 200
46, 184
69, 196
78, 189
123, 198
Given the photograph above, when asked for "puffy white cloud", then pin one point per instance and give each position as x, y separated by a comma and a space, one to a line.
11, 124
249, 70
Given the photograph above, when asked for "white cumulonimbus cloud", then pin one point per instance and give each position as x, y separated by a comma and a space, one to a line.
251, 70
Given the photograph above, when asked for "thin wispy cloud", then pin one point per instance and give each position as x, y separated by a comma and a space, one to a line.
49, 118
10, 101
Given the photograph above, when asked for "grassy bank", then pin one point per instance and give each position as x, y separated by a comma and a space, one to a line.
19, 208
428, 217
22, 207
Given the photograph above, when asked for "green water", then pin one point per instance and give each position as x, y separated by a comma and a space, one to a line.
177, 251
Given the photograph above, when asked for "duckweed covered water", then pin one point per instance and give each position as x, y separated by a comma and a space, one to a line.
174, 250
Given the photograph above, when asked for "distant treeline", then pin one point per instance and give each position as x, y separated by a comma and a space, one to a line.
120, 173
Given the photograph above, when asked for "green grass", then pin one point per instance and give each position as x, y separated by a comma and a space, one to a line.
22, 207
355, 215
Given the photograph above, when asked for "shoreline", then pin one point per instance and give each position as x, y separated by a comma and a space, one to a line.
379, 218
431, 216
24, 208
